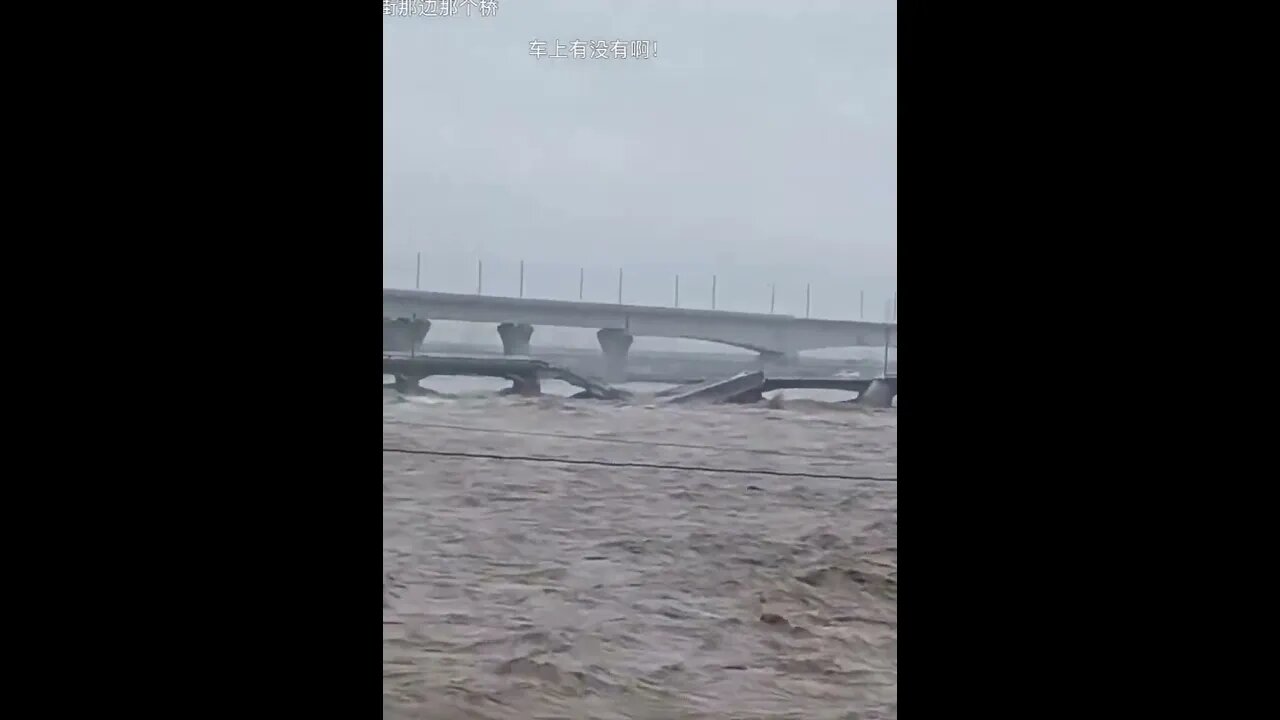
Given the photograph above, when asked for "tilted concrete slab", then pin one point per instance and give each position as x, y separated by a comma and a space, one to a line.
744, 388
720, 390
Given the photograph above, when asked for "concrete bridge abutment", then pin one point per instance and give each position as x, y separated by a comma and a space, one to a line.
615, 343
403, 334
515, 338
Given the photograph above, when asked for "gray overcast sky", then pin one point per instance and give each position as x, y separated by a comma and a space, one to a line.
760, 144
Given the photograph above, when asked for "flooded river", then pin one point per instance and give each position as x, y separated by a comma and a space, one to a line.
585, 559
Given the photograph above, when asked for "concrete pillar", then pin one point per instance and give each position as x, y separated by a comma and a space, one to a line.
515, 338
527, 385
615, 343
403, 334
879, 395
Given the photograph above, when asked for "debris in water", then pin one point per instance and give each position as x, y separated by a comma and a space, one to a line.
773, 619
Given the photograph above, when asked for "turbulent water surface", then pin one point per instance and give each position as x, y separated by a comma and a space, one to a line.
527, 589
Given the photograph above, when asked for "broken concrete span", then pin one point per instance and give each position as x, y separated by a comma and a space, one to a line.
749, 387
525, 374
719, 390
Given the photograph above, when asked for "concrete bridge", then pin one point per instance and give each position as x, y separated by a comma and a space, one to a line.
407, 316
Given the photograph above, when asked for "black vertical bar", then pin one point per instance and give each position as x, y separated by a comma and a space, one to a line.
619, 286
417, 279
480, 277
773, 294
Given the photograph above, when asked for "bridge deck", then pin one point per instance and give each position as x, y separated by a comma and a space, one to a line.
492, 366
759, 332
428, 297
513, 368
815, 383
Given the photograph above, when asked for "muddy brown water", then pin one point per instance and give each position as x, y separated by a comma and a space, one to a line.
518, 589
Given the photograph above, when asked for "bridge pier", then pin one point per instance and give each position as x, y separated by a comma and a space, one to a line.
879, 394
408, 384
526, 385
515, 338
403, 334
615, 343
